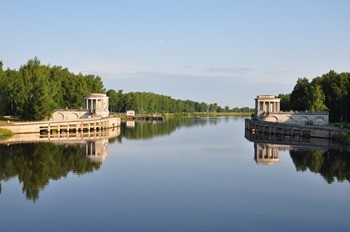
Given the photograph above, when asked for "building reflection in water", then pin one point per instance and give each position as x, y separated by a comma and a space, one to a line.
266, 154
94, 143
97, 150
267, 147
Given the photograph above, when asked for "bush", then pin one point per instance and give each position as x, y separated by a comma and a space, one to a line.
5, 134
309, 123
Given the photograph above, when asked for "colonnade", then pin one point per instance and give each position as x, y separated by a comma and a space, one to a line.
97, 103
267, 104
97, 151
265, 154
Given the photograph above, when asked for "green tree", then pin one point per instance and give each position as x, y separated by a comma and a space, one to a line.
335, 87
285, 102
299, 95
113, 99
316, 99
213, 107
3, 97
39, 103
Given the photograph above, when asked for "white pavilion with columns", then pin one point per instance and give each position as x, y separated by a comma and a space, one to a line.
265, 104
96, 103
268, 108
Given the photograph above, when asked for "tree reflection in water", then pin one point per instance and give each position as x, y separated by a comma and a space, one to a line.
35, 164
332, 165
316, 155
150, 129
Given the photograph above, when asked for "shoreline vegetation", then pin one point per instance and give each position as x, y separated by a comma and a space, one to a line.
5, 134
34, 91
343, 139
194, 114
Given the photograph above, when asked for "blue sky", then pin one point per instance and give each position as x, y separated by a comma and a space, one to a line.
213, 51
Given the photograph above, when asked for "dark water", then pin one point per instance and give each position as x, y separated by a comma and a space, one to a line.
181, 175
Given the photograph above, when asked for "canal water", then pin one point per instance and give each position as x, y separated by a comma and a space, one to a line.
189, 174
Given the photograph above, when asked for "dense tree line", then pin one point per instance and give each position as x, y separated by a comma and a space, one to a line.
330, 91
146, 102
34, 91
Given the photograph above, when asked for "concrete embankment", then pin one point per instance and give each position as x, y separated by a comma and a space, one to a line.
90, 124
284, 129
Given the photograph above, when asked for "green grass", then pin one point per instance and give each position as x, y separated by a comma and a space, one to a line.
5, 134
343, 125
342, 138
6, 122
184, 114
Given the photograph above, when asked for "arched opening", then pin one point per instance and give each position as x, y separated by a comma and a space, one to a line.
289, 119
274, 119
319, 120
303, 119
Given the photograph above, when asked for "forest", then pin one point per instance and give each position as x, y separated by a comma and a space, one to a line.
329, 92
35, 90
146, 102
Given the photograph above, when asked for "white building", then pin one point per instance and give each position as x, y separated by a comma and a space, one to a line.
97, 103
94, 105
267, 108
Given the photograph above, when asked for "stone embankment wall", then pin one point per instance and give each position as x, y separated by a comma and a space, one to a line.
284, 129
69, 115
64, 126
317, 118
63, 138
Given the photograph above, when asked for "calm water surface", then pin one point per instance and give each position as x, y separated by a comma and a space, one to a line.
193, 174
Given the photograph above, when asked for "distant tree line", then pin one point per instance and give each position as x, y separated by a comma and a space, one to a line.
330, 91
35, 90
146, 102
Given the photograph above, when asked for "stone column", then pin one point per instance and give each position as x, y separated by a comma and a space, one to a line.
277, 108
264, 106
99, 104
267, 107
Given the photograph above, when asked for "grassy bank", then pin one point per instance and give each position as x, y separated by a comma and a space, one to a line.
5, 134
6, 121
342, 125
204, 114
342, 139
194, 114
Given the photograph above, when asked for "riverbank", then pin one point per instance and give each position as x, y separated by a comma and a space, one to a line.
296, 130
194, 114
